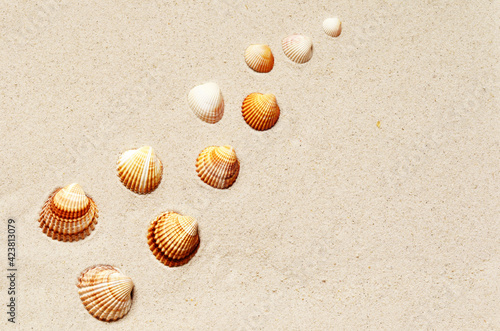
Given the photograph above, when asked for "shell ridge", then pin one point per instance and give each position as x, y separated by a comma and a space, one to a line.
143, 183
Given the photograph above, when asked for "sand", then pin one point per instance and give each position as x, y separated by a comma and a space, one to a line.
333, 222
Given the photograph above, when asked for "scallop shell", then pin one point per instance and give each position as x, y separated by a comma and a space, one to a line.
105, 292
332, 26
140, 170
260, 111
206, 102
173, 238
259, 58
298, 48
68, 214
218, 166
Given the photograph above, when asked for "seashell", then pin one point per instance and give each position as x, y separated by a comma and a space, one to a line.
218, 166
105, 292
68, 214
206, 102
259, 58
260, 111
332, 26
173, 238
140, 170
298, 48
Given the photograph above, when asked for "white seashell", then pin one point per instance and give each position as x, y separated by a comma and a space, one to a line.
332, 26
206, 102
298, 48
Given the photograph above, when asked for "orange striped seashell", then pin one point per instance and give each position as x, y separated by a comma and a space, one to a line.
105, 292
173, 238
68, 214
259, 58
140, 170
218, 166
260, 111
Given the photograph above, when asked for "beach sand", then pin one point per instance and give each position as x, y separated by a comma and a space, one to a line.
334, 222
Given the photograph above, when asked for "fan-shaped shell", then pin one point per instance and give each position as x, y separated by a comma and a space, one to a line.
218, 166
332, 26
173, 238
105, 292
259, 58
298, 48
206, 102
140, 170
260, 111
68, 214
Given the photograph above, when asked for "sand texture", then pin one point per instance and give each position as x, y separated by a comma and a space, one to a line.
334, 222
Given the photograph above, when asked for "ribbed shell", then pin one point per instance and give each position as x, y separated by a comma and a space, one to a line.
259, 58
68, 214
260, 111
140, 170
173, 238
206, 102
332, 26
298, 48
105, 292
218, 166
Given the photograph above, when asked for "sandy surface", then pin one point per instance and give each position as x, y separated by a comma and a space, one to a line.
333, 222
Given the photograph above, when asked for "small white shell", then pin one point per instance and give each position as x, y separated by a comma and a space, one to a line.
298, 48
332, 26
206, 102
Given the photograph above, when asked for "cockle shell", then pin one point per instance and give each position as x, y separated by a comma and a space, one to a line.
173, 238
105, 292
206, 102
218, 166
298, 48
259, 58
140, 170
260, 111
68, 214
332, 26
